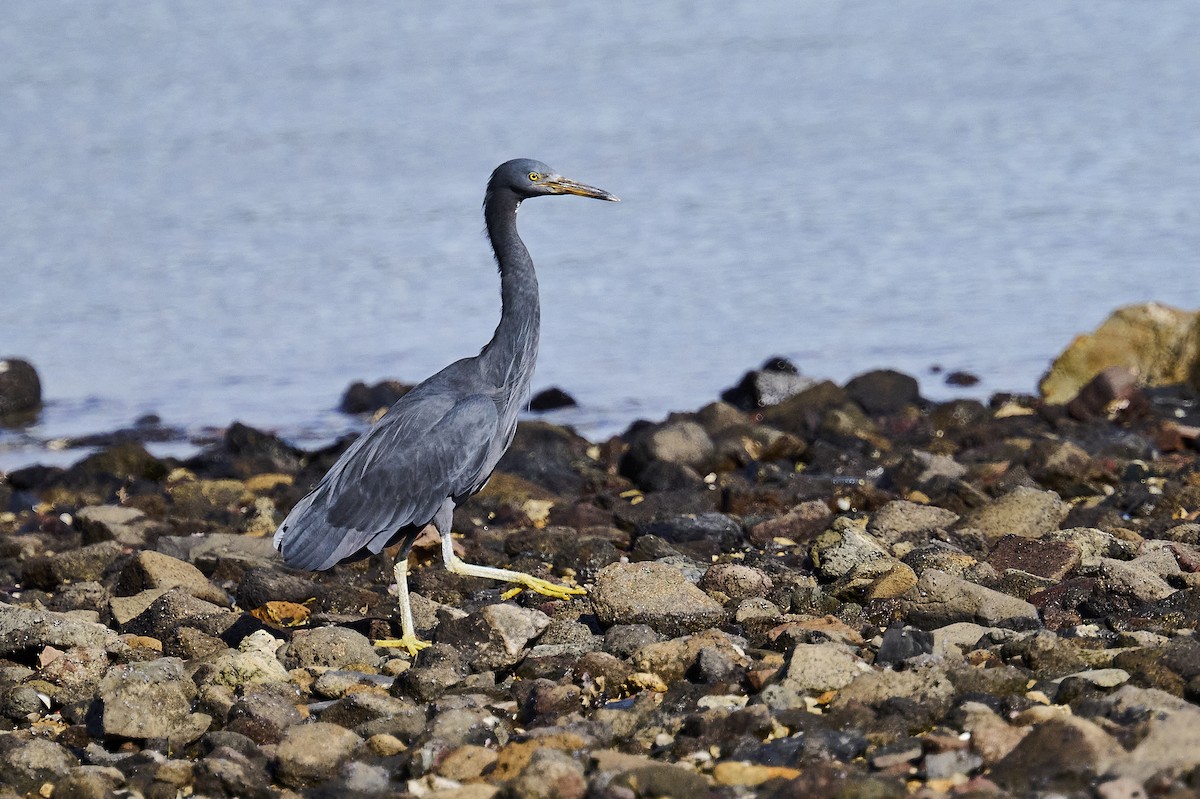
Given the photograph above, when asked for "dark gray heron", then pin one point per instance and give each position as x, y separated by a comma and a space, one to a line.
440, 442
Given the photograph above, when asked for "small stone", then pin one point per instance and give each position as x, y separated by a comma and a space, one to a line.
27, 763
467, 762
312, 753
798, 524
1065, 753
151, 700
253, 662
821, 667
150, 570
846, 547
1052, 560
901, 520
23, 629
497, 634
749, 775
653, 594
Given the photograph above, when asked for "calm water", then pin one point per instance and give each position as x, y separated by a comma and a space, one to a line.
230, 210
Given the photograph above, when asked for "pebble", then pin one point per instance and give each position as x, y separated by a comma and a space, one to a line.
653, 594
312, 753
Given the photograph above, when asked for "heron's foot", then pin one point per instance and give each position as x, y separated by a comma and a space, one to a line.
543, 587
410, 643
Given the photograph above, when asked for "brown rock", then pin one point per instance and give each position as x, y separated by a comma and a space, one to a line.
654, 594
798, 524
1050, 559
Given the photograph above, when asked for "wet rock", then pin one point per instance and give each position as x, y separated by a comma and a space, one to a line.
20, 388
28, 763
942, 599
901, 643
361, 398
699, 535
798, 524
312, 753
777, 380
154, 570
150, 700
1157, 341
1023, 511
551, 399
1052, 560
22, 630
548, 456
167, 613
883, 391
623, 640
653, 594
497, 635
253, 662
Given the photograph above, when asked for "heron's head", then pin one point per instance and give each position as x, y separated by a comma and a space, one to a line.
528, 178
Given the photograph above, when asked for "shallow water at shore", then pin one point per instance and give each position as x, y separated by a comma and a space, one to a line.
232, 211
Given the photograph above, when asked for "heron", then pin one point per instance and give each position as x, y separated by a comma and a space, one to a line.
439, 443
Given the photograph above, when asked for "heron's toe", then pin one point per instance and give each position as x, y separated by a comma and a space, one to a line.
409, 643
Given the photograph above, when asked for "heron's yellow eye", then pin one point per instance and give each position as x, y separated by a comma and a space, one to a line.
535, 177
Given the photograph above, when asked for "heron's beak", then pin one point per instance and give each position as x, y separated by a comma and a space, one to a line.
562, 185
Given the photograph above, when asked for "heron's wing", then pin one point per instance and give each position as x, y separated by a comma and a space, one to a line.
397, 475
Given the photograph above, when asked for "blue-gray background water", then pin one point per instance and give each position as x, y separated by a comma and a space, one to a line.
220, 211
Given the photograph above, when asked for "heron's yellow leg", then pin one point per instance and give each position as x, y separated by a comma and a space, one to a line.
457, 565
408, 639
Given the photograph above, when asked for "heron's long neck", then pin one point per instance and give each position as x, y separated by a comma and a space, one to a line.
509, 357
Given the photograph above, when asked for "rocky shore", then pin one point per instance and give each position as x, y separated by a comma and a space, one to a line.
852, 592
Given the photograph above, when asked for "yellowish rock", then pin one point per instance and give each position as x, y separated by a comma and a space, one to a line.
734, 772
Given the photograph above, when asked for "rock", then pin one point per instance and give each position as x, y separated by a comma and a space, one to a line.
154, 570
1050, 559
550, 774
1160, 344
740, 773
206, 551
548, 456
901, 643
799, 524
1065, 754
169, 612
20, 388
653, 594
263, 712
27, 763
127, 526
253, 662
846, 548
22, 629
312, 753
699, 535
76, 673
1136, 578
90, 782
361, 398
815, 668
623, 640
1171, 742
369, 714
680, 444
328, 647
777, 380
883, 391
1062, 466
907, 521
732, 581
551, 399
942, 599
74, 565
497, 635
151, 700
672, 659
1023, 511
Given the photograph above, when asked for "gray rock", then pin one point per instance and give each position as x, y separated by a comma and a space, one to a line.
368, 713
654, 594
821, 667
24, 629
695, 534
1095, 543
312, 753
170, 611
902, 520
90, 782
264, 712
927, 684
76, 673
1023, 511
883, 391
328, 647
941, 599
27, 763
151, 700
622, 640
254, 662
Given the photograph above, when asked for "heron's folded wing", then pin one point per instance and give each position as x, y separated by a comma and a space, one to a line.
398, 474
